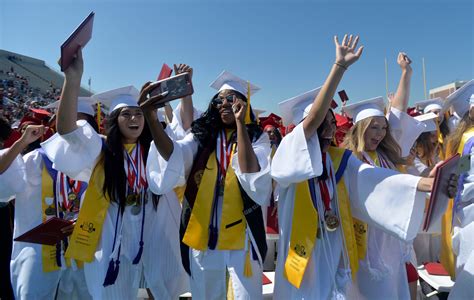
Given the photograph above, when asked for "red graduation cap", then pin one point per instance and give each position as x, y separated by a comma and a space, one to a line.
40, 114
411, 111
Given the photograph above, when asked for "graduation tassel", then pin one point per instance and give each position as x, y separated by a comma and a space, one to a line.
248, 265
248, 120
137, 258
112, 272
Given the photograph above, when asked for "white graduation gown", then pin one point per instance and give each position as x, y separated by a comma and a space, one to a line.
383, 271
463, 239
23, 180
208, 268
328, 271
76, 154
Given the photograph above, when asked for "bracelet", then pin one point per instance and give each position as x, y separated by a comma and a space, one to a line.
341, 65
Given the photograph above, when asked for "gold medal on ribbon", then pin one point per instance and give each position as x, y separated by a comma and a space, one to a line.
331, 220
132, 199
71, 197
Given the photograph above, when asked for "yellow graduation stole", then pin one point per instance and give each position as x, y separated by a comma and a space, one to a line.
447, 257
48, 252
232, 227
305, 226
87, 232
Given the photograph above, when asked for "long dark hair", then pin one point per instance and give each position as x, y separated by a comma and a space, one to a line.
206, 127
115, 180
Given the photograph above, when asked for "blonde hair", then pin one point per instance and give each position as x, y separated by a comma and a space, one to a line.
454, 139
355, 141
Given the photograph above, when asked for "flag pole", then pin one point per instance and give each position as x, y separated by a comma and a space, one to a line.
424, 77
386, 77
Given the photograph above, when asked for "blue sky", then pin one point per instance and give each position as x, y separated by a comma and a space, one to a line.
285, 47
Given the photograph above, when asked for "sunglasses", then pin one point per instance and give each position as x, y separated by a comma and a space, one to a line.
218, 101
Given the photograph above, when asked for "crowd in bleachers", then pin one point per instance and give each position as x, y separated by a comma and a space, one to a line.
18, 96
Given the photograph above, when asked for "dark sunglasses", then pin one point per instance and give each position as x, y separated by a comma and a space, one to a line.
219, 101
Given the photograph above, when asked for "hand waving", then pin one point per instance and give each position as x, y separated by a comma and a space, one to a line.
183, 68
345, 52
239, 108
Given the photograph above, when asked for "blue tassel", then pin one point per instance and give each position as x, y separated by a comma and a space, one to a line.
137, 258
112, 273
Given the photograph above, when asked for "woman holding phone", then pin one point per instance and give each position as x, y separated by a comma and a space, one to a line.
120, 217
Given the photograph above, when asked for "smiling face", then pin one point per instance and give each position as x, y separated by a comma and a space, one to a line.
223, 102
130, 122
375, 133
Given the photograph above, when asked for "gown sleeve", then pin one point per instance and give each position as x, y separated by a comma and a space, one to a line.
13, 180
404, 128
164, 175
385, 198
296, 159
75, 153
257, 185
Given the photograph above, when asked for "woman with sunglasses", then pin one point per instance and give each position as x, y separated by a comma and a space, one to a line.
224, 162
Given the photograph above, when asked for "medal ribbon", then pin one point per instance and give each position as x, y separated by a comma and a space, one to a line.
136, 177
324, 188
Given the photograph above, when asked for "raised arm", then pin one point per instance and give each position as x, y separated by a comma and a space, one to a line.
401, 97
31, 134
248, 161
346, 55
163, 143
187, 109
67, 111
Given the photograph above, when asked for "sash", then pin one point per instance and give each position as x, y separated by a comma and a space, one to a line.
305, 223
238, 210
88, 230
52, 254
447, 257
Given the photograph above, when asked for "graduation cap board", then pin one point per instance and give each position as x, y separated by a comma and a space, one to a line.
295, 109
118, 98
430, 105
429, 121
365, 109
84, 105
460, 99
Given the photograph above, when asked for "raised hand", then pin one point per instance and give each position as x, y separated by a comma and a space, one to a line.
75, 70
183, 68
146, 102
32, 133
346, 53
404, 61
239, 108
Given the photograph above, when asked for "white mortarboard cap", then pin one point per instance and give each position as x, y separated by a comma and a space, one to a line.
429, 121
295, 109
84, 105
430, 105
460, 99
257, 112
228, 81
118, 98
365, 109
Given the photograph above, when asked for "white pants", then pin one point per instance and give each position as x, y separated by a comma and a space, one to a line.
208, 275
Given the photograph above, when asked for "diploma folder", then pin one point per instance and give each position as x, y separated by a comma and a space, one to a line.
439, 195
79, 38
47, 233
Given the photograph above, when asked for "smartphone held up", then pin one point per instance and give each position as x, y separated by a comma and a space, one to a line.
172, 88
